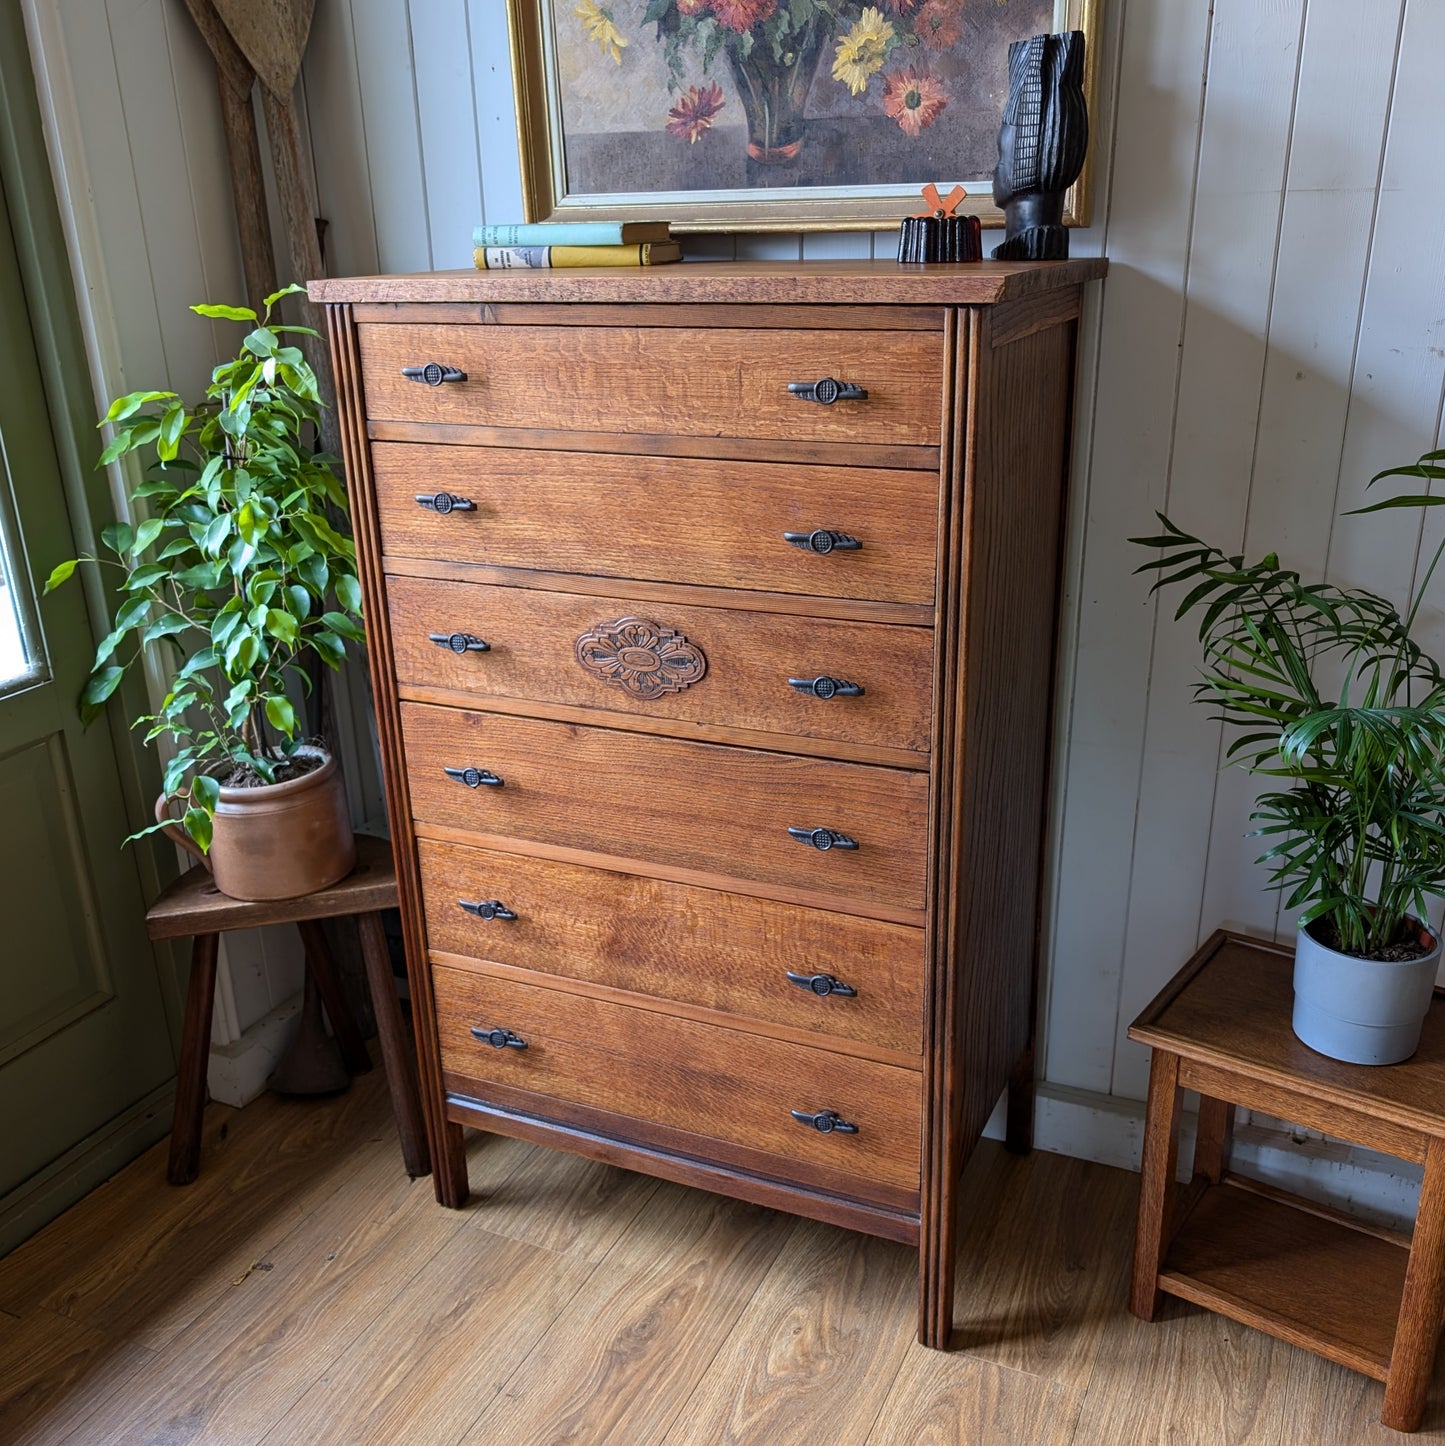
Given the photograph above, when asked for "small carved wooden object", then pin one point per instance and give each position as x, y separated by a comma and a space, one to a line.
641, 657
1041, 145
937, 234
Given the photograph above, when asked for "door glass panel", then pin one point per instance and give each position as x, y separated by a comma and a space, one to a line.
21, 662
14, 658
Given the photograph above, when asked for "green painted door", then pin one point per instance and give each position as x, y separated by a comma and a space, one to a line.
83, 1033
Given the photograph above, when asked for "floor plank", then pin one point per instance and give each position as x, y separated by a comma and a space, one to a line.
244, 1363
947, 1400
1193, 1376
442, 1349
305, 1291
821, 1340
622, 1360
54, 1370
562, 1203
113, 1259
1045, 1245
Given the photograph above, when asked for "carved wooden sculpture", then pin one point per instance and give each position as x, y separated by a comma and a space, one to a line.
1041, 145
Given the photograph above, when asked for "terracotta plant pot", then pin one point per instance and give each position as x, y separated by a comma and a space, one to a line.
279, 841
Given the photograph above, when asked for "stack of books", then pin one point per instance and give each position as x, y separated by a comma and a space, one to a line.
574, 243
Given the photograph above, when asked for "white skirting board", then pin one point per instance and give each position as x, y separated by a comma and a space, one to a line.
237, 1072
1110, 1130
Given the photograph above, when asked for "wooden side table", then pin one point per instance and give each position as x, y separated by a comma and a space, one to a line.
194, 906
1365, 1297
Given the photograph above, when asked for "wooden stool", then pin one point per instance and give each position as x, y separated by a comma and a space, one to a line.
194, 906
1312, 1276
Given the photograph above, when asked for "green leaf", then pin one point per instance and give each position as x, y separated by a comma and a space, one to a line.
280, 714
330, 647
61, 572
282, 626
315, 573
340, 623
199, 825
129, 405
119, 538
206, 791
165, 627
145, 534
108, 645
215, 535
348, 592
146, 576
293, 290
97, 689
225, 313
299, 601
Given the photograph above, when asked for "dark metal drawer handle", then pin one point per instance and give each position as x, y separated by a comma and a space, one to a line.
433, 374
460, 642
474, 777
445, 502
826, 1122
492, 909
827, 390
821, 839
498, 1038
820, 984
826, 687
821, 541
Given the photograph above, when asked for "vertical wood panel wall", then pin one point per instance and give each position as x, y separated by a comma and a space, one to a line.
1271, 334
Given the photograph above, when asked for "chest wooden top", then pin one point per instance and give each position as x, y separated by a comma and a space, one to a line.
840, 283
1230, 1007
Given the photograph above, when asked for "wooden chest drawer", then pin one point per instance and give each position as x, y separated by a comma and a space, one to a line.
718, 524
660, 380
721, 811
727, 667
714, 1083
700, 947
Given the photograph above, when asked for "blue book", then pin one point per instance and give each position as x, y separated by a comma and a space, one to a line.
571, 233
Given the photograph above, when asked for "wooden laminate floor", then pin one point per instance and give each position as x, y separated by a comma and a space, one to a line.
303, 1290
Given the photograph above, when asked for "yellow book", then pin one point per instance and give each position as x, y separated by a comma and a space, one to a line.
506, 258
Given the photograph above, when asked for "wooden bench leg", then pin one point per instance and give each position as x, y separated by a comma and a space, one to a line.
400, 1077
322, 964
1156, 1182
1211, 1144
1422, 1306
185, 1158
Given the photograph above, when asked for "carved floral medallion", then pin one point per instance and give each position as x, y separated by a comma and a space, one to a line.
642, 657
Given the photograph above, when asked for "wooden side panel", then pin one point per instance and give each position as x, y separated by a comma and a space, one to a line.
1014, 408
444, 1139
725, 811
749, 658
719, 524
639, 379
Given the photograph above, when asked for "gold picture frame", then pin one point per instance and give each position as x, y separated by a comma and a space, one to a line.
541, 116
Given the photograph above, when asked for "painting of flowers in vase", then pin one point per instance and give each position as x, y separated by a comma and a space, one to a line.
759, 114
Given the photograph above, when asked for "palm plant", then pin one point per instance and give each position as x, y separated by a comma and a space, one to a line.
1331, 692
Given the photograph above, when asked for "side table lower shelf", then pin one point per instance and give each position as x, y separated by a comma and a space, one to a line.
1307, 1276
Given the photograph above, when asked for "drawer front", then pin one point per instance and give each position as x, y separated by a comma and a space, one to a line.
725, 811
699, 665
719, 524
723, 1084
703, 947
660, 380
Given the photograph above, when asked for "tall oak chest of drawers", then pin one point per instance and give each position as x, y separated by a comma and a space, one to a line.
711, 618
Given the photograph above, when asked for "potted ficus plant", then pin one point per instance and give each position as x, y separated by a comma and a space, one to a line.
239, 573
1333, 698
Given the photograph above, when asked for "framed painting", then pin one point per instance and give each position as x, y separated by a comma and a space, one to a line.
770, 115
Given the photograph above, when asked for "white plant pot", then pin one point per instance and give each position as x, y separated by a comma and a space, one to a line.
1363, 1011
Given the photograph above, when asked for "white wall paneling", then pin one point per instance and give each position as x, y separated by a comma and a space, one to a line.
1272, 332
